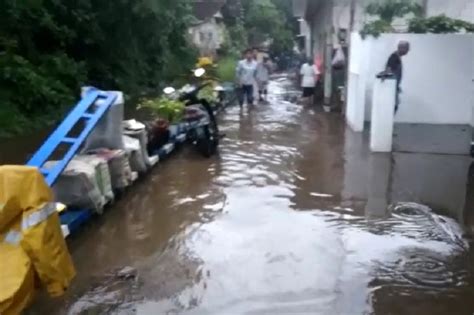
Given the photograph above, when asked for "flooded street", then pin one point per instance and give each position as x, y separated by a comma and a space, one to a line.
294, 216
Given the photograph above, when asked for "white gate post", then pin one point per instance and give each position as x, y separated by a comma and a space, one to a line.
383, 112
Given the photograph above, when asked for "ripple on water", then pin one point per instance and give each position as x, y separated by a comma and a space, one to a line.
423, 268
413, 221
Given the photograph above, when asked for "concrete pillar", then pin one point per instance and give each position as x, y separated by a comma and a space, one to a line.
383, 107
328, 69
355, 103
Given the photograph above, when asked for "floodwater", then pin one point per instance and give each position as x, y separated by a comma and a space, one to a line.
294, 216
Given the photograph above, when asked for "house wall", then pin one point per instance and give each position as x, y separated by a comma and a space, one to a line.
320, 25
299, 7
207, 37
438, 76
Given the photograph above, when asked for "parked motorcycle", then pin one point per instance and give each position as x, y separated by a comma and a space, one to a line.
203, 130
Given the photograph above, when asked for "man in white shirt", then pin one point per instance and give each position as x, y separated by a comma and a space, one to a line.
246, 72
309, 76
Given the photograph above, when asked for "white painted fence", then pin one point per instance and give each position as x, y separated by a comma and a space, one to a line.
437, 85
437, 80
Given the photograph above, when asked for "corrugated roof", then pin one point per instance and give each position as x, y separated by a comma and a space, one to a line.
205, 9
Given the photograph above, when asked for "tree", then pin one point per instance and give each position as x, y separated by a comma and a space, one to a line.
387, 11
264, 21
49, 48
236, 37
286, 7
439, 24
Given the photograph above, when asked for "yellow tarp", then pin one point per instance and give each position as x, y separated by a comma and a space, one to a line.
21, 188
17, 279
45, 245
31, 241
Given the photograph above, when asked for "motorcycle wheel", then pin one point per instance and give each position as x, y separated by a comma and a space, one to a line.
207, 144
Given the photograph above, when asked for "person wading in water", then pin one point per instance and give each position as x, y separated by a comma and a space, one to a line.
246, 72
308, 78
263, 76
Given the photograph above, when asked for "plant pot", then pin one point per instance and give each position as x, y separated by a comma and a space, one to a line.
173, 130
158, 135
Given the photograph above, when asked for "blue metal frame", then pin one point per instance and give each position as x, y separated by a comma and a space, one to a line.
60, 134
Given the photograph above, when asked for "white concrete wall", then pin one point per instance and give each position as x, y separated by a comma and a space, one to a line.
356, 98
437, 80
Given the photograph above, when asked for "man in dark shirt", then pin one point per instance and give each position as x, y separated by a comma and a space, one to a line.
395, 66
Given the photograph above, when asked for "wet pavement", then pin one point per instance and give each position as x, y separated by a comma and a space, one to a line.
294, 216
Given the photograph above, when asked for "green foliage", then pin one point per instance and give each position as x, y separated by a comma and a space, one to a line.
286, 8
226, 68
250, 23
388, 10
11, 120
49, 48
236, 36
439, 24
165, 108
207, 93
376, 28
265, 21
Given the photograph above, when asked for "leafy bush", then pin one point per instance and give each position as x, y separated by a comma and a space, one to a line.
439, 24
388, 10
207, 93
48, 49
375, 28
226, 68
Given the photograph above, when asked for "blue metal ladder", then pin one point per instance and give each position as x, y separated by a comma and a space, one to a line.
91, 109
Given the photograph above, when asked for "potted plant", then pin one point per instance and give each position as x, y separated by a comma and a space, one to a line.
166, 113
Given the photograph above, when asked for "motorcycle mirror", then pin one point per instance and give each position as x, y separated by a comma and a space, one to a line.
199, 72
169, 90
219, 88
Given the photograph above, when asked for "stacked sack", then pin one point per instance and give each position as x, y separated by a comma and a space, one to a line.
110, 160
31, 241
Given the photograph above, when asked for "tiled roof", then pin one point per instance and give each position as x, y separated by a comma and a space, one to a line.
205, 9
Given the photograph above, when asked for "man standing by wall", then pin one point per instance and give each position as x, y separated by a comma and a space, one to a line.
395, 67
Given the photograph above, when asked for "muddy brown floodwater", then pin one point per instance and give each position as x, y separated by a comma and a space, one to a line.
294, 216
